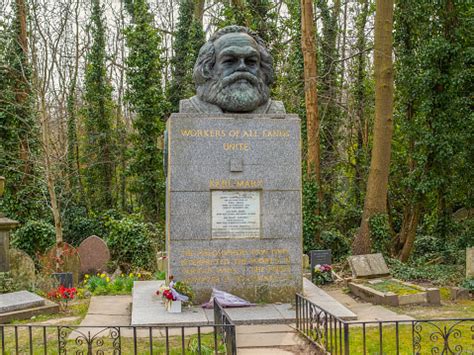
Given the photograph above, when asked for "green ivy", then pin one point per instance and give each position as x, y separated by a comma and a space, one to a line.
34, 237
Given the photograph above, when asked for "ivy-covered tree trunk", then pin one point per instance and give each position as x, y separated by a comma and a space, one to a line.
99, 146
377, 184
189, 39
147, 101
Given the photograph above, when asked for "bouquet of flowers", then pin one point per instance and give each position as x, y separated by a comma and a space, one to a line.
322, 274
63, 294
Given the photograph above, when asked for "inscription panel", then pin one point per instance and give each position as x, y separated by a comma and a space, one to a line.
235, 214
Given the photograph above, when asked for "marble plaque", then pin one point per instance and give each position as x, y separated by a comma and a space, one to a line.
235, 214
469, 263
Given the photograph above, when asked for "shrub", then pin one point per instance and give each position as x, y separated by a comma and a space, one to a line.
130, 243
78, 225
380, 234
34, 237
336, 241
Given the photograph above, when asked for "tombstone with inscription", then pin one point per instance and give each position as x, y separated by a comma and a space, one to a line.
234, 177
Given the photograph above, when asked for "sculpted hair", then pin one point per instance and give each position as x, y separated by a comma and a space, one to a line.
207, 56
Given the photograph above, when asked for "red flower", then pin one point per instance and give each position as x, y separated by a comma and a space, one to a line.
167, 294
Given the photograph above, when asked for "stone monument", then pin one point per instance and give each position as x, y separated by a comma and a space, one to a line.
6, 225
233, 158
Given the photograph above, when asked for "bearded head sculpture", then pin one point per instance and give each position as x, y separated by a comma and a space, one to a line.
233, 73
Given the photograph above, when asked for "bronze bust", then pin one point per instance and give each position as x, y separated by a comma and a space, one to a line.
233, 73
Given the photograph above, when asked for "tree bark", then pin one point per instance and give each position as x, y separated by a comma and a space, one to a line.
199, 10
308, 47
377, 184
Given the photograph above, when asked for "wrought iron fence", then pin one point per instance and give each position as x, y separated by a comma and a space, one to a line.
226, 328
428, 336
71, 339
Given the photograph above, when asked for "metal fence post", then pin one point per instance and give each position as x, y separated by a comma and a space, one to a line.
346, 339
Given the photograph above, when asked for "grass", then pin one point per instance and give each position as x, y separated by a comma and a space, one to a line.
77, 308
429, 335
105, 344
394, 286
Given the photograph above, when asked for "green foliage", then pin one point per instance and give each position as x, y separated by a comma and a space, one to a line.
380, 234
99, 139
438, 274
311, 221
144, 66
6, 283
78, 224
34, 237
469, 284
130, 243
101, 284
18, 127
188, 40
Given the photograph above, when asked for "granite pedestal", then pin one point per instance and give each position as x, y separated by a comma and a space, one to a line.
234, 204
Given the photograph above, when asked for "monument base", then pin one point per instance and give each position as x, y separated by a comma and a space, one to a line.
233, 216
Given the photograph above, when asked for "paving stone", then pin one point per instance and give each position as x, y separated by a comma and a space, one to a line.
268, 339
325, 301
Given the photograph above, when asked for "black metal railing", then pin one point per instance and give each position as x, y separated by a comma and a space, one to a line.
428, 336
71, 339
226, 328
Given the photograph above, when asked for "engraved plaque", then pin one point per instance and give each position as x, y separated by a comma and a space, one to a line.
235, 214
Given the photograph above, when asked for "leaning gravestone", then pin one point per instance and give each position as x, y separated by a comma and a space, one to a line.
470, 263
368, 266
22, 269
234, 178
94, 254
62, 258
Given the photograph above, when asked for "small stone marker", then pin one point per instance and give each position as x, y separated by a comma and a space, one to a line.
62, 258
15, 301
320, 257
22, 268
94, 254
470, 263
368, 265
64, 278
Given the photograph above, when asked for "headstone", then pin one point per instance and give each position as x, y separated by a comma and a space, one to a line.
469, 263
15, 301
368, 266
64, 278
94, 254
22, 269
62, 258
320, 257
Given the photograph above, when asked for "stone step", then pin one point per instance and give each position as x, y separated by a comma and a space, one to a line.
326, 302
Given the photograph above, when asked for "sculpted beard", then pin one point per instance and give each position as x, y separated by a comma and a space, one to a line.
239, 92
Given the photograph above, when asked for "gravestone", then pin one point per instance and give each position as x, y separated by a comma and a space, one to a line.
320, 257
470, 263
22, 269
62, 258
94, 254
368, 266
64, 278
15, 301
